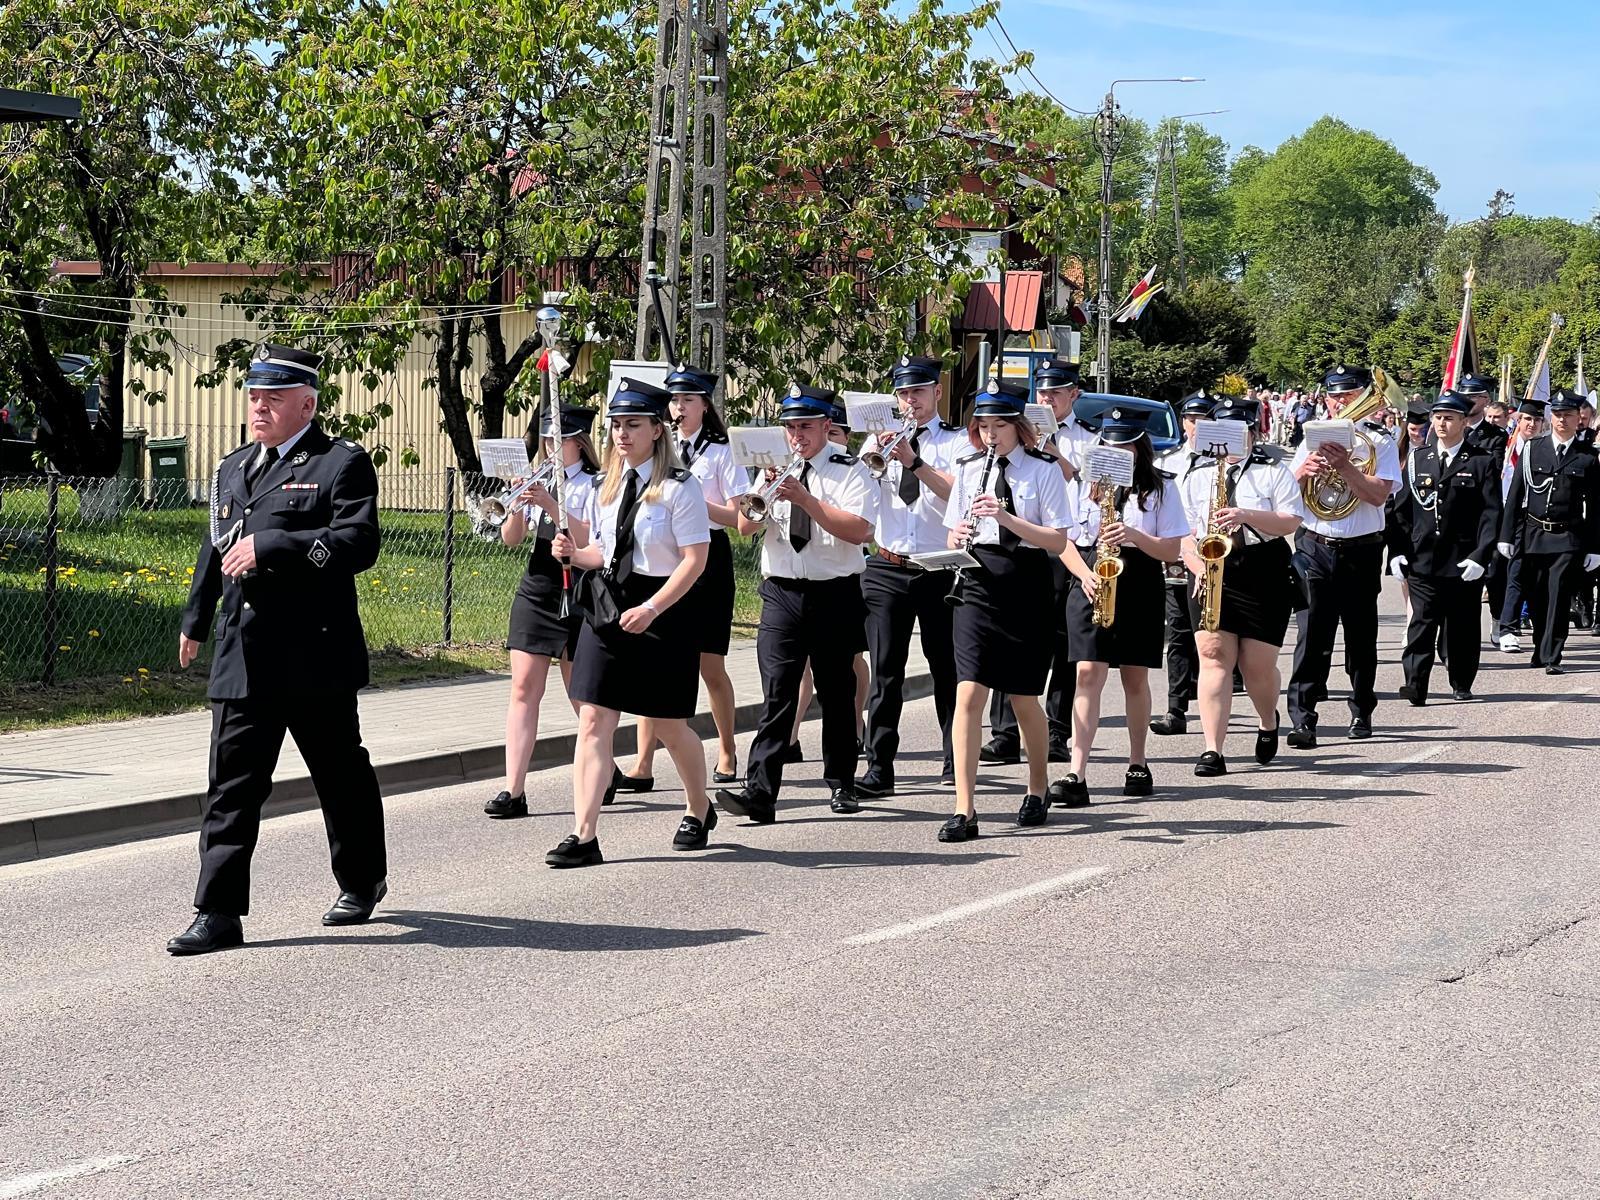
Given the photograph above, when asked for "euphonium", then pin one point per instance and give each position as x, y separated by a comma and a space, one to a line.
1213, 548
1329, 496
1107, 560
757, 506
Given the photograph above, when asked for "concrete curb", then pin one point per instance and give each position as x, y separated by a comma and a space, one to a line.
71, 830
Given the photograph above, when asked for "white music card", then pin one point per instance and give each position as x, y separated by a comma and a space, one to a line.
1109, 464
943, 560
1043, 418
1331, 432
644, 372
503, 458
1221, 439
759, 446
872, 412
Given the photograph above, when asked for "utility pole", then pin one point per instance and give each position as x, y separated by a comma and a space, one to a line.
1177, 215
1108, 138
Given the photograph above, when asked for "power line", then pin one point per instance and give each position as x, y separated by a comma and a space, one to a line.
1031, 73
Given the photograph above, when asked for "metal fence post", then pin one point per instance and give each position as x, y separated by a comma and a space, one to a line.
52, 561
449, 549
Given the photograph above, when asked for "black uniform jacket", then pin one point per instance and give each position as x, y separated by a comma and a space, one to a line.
1443, 518
1486, 435
1551, 510
292, 624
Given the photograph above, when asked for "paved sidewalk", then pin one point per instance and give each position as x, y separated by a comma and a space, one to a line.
63, 790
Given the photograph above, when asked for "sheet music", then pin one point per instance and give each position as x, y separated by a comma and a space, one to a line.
1111, 463
1330, 432
759, 446
873, 412
943, 560
644, 372
503, 458
1043, 418
1220, 438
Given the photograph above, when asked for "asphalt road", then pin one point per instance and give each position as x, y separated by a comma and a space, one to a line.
1367, 971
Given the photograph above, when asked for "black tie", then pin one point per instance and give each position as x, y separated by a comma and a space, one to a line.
799, 519
262, 466
1002, 493
910, 485
1233, 483
1561, 454
686, 452
622, 554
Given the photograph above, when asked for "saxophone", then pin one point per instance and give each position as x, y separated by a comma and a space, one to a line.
1107, 560
1213, 548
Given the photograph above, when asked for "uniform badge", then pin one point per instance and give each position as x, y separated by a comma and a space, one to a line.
794, 391
299, 458
227, 510
262, 353
319, 554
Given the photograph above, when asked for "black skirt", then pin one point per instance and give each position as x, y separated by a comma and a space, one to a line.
712, 596
536, 624
1003, 632
1258, 592
651, 674
1134, 638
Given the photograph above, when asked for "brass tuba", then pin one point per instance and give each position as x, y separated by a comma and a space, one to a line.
1329, 496
1213, 548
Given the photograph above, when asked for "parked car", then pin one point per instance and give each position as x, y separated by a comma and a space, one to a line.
18, 429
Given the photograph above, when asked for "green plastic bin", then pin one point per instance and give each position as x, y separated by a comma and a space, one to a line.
169, 472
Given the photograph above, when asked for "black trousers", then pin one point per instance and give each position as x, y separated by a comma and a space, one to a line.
1509, 614
1058, 692
1342, 584
801, 620
246, 737
897, 597
1451, 608
1548, 581
1183, 660
1494, 583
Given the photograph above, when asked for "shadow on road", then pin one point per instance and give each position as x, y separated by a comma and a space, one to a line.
1176, 831
469, 931
835, 859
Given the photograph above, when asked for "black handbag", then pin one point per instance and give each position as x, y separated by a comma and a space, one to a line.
599, 597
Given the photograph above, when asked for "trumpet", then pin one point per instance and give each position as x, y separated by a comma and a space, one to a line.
953, 597
757, 506
497, 510
1213, 549
877, 461
1107, 561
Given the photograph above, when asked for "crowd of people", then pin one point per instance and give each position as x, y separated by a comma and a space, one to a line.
1031, 561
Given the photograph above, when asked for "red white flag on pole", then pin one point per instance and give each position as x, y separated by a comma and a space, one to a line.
1463, 356
1143, 292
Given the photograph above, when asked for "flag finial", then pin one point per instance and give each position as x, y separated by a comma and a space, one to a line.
1472, 273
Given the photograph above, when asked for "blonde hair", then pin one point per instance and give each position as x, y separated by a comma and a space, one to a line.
663, 458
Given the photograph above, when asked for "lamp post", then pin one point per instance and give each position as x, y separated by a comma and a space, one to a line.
1108, 138
1172, 168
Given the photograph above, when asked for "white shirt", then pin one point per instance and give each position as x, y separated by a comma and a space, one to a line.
1179, 462
1366, 518
1165, 517
1269, 487
283, 448
660, 530
839, 481
919, 528
721, 479
1072, 442
576, 494
1038, 493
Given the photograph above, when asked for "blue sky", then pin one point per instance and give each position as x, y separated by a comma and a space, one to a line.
1484, 94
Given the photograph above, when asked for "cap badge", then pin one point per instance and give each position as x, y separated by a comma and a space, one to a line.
905, 360
262, 354
1116, 414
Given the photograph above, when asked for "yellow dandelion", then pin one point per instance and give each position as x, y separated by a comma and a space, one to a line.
94, 633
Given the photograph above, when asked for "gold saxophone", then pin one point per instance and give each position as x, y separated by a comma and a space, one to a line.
1107, 560
1213, 548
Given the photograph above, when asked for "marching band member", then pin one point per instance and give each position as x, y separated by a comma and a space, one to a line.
1507, 615
1341, 562
1011, 511
703, 449
647, 544
1446, 520
912, 495
811, 560
1148, 533
1183, 661
1055, 383
539, 635
1552, 520
1258, 590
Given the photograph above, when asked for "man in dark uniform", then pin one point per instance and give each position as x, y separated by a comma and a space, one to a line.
1552, 520
1482, 434
1183, 611
294, 521
1445, 521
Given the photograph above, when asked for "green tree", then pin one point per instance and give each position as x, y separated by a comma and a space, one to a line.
1183, 342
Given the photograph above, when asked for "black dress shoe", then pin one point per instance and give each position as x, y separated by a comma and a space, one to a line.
748, 805
874, 786
1138, 781
996, 751
861, 748
794, 753
959, 829
693, 832
842, 801
573, 853
631, 783
1033, 811
1210, 763
1360, 729
1069, 792
1409, 693
506, 805
1170, 723
1060, 751
1302, 737
726, 776
610, 797
355, 908
207, 932
1462, 694
1267, 742
1552, 669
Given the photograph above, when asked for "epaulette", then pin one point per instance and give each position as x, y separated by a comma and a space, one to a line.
1166, 474
1377, 427
1082, 424
1044, 454
247, 448
847, 460
679, 473
973, 457
1258, 455
585, 469
949, 428
719, 439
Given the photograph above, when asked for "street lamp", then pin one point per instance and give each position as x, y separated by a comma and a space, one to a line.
1108, 139
1172, 168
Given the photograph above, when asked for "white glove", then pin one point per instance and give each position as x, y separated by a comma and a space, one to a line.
1591, 561
1471, 572
1506, 549
1397, 565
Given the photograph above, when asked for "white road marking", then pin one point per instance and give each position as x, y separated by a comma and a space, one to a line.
23, 1185
962, 911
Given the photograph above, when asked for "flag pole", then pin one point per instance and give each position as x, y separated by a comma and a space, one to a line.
1541, 363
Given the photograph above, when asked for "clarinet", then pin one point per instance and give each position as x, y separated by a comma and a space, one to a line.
954, 598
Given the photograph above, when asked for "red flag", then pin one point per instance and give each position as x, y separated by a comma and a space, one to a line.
1463, 356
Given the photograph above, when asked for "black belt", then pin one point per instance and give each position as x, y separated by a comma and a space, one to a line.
1365, 539
1550, 526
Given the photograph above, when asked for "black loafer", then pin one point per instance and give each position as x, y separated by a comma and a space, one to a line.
726, 776
1552, 669
1209, 764
843, 802
1303, 737
959, 829
996, 751
573, 853
506, 805
1267, 743
207, 932
693, 832
874, 787
1060, 751
1033, 811
355, 908
631, 783
1407, 692
1070, 792
1170, 723
1462, 694
744, 804
1138, 781
1360, 729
